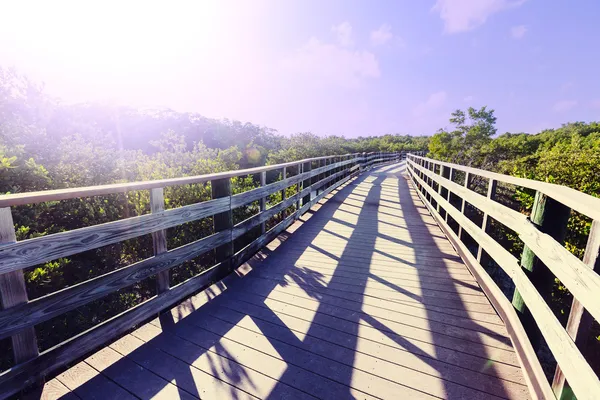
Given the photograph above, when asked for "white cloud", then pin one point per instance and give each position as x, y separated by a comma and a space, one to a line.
381, 35
517, 32
564, 105
343, 32
468, 99
466, 15
332, 64
433, 103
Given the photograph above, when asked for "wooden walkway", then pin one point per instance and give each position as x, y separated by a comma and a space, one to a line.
364, 299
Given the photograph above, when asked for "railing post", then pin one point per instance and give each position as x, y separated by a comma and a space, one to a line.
451, 173
441, 189
307, 182
491, 194
463, 202
299, 188
550, 217
13, 292
223, 221
159, 238
580, 320
284, 172
263, 200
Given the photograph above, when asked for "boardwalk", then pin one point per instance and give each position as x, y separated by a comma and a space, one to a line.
366, 299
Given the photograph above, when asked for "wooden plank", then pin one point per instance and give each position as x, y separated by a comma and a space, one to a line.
14, 293
35, 251
159, 238
44, 308
366, 356
572, 272
217, 363
25, 374
574, 199
135, 378
532, 368
580, 321
582, 378
52, 390
88, 384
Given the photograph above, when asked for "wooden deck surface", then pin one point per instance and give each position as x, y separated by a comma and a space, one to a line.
363, 299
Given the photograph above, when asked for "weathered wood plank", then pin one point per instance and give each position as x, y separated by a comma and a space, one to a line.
159, 238
44, 308
31, 252
13, 293
221, 188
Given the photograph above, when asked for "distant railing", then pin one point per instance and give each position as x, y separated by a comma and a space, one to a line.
313, 179
543, 259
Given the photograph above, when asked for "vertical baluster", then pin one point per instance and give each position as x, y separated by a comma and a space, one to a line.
263, 200
463, 203
223, 221
299, 187
550, 217
451, 174
306, 183
491, 194
283, 176
159, 238
13, 292
580, 320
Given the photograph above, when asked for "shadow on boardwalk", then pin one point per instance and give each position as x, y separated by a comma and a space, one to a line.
341, 309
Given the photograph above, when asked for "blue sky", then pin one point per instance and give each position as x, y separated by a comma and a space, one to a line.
330, 67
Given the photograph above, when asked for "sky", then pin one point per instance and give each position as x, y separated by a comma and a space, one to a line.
342, 67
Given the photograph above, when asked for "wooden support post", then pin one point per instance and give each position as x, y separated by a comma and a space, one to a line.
451, 173
13, 292
263, 200
159, 238
223, 221
322, 163
283, 190
307, 182
580, 320
550, 217
463, 203
491, 194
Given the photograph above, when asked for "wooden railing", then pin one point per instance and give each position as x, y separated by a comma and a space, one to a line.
544, 257
313, 179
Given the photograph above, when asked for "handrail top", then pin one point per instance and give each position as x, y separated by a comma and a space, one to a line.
581, 202
17, 199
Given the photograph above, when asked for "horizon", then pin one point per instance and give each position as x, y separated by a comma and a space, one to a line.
340, 68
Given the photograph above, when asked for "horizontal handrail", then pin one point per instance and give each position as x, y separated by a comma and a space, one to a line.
10, 200
311, 185
578, 276
574, 199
